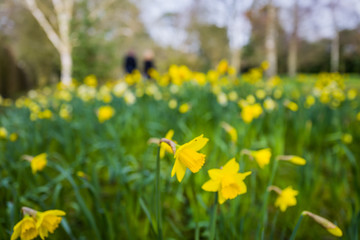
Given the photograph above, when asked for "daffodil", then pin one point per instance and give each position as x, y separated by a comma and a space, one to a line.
3, 132
13, 137
164, 146
227, 181
286, 198
250, 112
293, 159
186, 156
262, 157
231, 131
185, 107
25, 229
105, 113
37, 163
329, 226
48, 221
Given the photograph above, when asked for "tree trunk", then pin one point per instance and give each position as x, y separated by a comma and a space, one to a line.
270, 41
335, 48
236, 59
293, 44
61, 40
66, 67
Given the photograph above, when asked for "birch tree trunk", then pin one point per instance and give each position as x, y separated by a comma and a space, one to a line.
335, 44
270, 41
293, 44
61, 41
236, 59
335, 56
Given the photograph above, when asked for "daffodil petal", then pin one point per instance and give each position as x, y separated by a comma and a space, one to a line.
215, 174
231, 166
179, 169
197, 143
221, 198
211, 186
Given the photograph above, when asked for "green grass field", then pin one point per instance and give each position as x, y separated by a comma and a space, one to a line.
103, 174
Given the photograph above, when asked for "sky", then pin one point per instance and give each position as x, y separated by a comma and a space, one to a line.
167, 20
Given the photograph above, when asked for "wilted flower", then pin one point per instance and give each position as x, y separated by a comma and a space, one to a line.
227, 181
105, 113
186, 156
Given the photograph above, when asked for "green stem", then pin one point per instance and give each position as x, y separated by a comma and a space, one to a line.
264, 214
158, 197
296, 227
213, 218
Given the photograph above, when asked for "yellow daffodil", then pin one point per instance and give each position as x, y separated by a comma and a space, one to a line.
329, 226
231, 131
38, 162
347, 138
185, 107
164, 146
105, 113
13, 137
262, 157
227, 181
91, 80
172, 103
46, 114
186, 156
3, 133
286, 198
48, 221
25, 229
250, 112
293, 159
291, 105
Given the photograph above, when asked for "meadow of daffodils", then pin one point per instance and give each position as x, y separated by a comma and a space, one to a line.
186, 155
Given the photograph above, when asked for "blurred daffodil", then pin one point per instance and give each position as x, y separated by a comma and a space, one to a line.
3, 133
227, 181
231, 131
37, 163
286, 197
104, 113
293, 159
262, 157
185, 107
13, 137
186, 156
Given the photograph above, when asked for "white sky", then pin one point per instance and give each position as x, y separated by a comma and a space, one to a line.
166, 20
